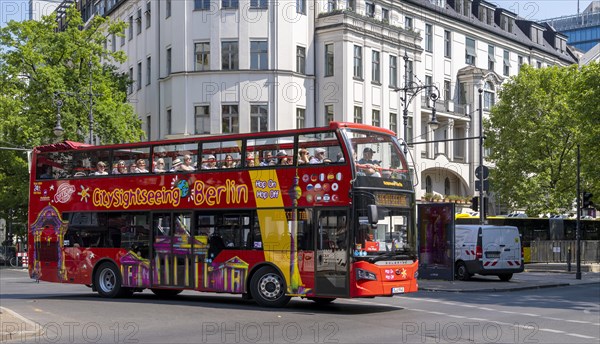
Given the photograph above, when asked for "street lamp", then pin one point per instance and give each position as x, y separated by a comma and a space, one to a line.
58, 129
407, 98
482, 209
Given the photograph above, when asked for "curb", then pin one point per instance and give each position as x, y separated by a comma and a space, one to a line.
7, 333
495, 290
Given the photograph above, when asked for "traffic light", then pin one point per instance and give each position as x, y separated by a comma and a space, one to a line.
587, 200
475, 203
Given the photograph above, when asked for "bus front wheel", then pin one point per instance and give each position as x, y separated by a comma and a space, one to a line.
268, 288
107, 281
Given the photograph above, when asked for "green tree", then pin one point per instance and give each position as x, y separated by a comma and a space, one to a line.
38, 62
533, 134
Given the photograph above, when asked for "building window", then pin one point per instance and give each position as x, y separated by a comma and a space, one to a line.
376, 118
130, 35
300, 60
447, 44
230, 119
229, 55
139, 76
447, 186
328, 59
138, 21
428, 185
358, 73
169, 122
491, 57
351, 5
538, 64
358, 117
202, 56
408, 23
370, 9
168, 61
258, 3
148, 15
167, 8
409, 73
258, 55
506, 63
259, 118
113, 42
301, 6
489, 95
148, 70
130, 87
428, 81
149, 127
394, 122
385, 15
409, 129
201, 4
429, 38
229, 4
520, 62
331, 5
470, 52
201, 119
329, 116
462, 93
123, 38
447, 90
375, 67
393, 71
300, 118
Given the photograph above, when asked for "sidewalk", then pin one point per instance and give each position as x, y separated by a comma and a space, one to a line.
530, 279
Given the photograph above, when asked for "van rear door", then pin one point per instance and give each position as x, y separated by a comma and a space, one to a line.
501, 247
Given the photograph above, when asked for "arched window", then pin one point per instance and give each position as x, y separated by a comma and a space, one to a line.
428, 186
447, 186
489, 95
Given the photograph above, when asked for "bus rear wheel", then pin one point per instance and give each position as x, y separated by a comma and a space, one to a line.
107, 281
268, 288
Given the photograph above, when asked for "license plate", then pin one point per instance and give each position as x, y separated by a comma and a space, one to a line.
398, 290
492, 255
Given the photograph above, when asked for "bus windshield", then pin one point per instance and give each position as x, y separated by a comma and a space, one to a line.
377, 155
390, 237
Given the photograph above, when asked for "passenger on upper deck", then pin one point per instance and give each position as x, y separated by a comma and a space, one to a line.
100, 169
141, 166
319, 156
187, 163
210, 163
303, 157
159, 167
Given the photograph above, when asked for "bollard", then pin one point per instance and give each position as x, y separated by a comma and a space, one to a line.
569, 259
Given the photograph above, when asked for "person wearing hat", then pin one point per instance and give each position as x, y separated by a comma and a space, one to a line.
319, 156
282, 158
210, 163
176, 165
370, 167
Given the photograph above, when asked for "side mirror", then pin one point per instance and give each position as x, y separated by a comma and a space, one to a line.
372, 214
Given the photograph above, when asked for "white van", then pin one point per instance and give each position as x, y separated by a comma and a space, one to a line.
487, 250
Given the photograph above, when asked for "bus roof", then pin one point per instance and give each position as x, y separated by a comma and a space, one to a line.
72, 145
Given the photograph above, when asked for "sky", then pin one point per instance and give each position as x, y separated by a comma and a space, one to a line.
528, 9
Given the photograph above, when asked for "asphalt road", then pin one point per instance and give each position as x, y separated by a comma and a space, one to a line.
74, 314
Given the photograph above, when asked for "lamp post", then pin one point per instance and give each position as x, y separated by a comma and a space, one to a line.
58, 129
481, 190
407, 98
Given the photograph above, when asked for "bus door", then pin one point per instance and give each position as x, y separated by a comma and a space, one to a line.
172, 246
331, 272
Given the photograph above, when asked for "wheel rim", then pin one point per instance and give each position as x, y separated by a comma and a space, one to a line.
107, 280
270, 286
461, 272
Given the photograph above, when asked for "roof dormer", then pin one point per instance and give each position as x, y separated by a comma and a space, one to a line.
533, 30
484, 11
505, 19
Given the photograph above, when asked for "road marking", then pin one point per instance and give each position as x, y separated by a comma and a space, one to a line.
551, 330
580, 336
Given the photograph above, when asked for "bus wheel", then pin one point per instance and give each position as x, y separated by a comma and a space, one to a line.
166, 292
108, 281
505, 277
268, 288
322, 300
461, 272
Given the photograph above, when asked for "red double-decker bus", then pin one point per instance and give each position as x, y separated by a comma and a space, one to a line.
319, 213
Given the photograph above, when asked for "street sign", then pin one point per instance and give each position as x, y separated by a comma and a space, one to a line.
486, 172
486, 185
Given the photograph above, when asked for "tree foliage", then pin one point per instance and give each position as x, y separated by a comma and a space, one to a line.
39, 64
533, 133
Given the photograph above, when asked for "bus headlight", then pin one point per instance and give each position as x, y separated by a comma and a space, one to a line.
362, 274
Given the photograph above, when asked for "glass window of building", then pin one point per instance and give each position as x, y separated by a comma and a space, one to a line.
258, 55
329, 60
470, 52
259, 117
300, 60
202, 119
358, 62
229, 55
393, 71
376, 67
202, 50
230, 119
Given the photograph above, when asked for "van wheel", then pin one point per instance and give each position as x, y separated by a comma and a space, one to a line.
268, 288
107, 281
505, 277
461, 272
